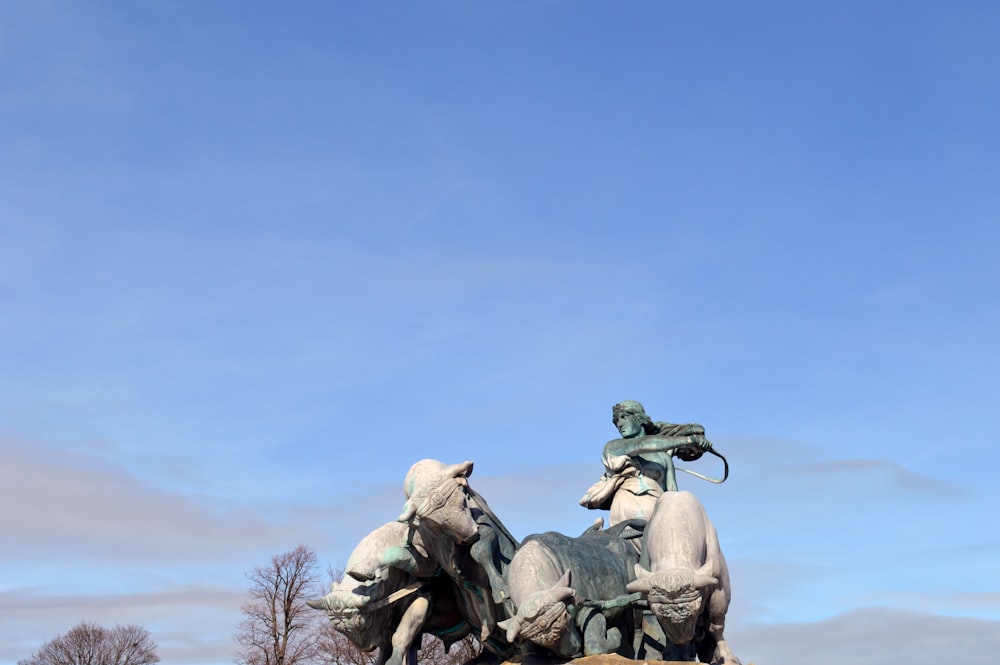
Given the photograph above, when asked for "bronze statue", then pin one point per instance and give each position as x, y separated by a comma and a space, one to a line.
450, 567
639, 467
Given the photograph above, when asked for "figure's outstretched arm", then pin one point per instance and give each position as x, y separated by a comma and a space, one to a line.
653, 443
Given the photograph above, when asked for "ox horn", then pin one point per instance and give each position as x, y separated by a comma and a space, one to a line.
512, 627
409, 511
566, 580
561, 590
318, 604
641, 583
701, 580
455, 470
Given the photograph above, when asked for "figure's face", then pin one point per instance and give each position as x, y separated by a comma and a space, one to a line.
628, 424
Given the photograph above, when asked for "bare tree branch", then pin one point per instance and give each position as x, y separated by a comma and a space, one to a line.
90, 644
278, 627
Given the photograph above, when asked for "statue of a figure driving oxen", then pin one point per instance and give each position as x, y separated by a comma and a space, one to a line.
449, 566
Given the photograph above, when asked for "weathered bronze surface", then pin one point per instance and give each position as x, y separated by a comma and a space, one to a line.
652, 587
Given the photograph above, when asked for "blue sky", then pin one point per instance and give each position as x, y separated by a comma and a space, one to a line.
255, 261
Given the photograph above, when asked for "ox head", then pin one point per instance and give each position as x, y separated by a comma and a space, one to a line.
350, 607
544, 617
436, 496
356, 604
675, 597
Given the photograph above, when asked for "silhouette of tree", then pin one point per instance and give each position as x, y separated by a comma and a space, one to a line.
90, 644
278, 627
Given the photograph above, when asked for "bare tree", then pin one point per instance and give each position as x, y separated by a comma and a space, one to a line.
90, 644
279, 628
335, 648
432, 651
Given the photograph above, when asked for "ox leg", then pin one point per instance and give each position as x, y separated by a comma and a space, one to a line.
569, 642
717, 608
482, 552
597, 638
384, 651
706, 648
649, 640
406, 637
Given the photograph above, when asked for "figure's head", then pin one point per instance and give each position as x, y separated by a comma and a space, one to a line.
630, 418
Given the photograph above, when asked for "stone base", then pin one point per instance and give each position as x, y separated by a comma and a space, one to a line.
607, 659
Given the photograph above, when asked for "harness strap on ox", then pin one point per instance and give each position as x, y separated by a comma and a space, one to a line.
395, 595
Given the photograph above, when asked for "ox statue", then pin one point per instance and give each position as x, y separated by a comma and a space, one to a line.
554, 581
686, 583
466, 539
379, 606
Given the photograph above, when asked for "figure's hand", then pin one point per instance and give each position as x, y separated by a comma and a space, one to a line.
700, 441
399, 557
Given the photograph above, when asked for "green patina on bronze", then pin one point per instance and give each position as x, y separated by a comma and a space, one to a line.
639, 466
653, 586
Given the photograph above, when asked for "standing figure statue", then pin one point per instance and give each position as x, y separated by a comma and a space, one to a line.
639, 467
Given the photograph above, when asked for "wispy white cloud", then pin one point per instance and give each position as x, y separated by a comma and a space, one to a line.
868, 636
78, 509
983, 604
86, 539
758, 585
190, 623
897, 475
73, 507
